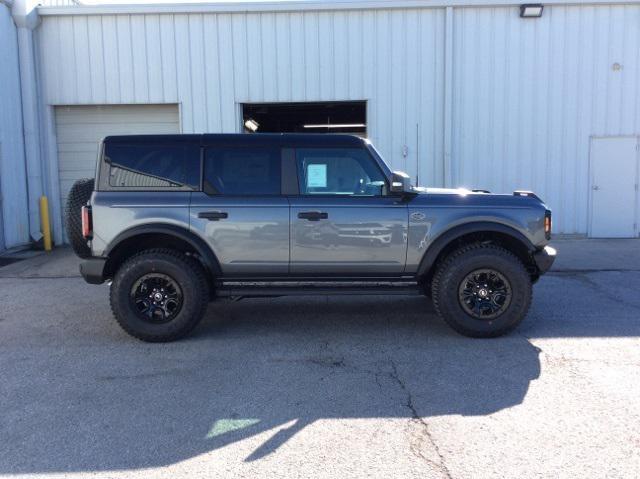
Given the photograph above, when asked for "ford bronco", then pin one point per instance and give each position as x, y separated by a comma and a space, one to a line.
175, 221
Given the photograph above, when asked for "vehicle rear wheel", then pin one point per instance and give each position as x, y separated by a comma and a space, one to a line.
79, 195
482, 290
159, 295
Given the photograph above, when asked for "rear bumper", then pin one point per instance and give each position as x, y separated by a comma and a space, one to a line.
544, 258
92, 270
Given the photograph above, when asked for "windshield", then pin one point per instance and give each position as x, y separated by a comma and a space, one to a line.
378, 156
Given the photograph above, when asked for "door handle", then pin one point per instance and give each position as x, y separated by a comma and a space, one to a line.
213, 215
313, 215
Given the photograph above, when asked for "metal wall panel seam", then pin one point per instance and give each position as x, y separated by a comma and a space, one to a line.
448, 97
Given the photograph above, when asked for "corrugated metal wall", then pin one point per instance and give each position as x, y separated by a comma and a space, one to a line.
13, 184
211, 62
59, 3
529, 93
526, 93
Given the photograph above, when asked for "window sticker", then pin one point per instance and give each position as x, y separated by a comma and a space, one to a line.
316, 176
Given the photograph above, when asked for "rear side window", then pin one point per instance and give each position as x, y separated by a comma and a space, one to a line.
242, 171
153, 166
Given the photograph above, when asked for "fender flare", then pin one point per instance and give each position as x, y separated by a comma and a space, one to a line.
198, 244
445, 238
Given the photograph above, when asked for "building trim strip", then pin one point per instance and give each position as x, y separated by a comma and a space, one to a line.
297, 6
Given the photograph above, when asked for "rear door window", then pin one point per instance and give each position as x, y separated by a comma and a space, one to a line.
242, 171
153, 166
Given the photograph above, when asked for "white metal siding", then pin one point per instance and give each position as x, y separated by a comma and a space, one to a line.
13, 183
528, 94
80, 128
58, 3
211, 62
2, 246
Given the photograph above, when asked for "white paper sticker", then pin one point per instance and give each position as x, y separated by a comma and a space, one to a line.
316, 176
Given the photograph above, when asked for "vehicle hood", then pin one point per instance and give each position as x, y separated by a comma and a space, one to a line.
442, 191
463, 196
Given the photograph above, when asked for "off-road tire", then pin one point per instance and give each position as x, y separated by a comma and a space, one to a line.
185, 271
452, 271
79, 195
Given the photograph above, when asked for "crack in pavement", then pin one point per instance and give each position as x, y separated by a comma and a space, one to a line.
426, 433
341, 365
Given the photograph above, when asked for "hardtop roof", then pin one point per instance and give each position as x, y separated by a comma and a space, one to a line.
242, 139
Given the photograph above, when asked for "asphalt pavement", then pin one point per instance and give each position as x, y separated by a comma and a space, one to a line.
324, 387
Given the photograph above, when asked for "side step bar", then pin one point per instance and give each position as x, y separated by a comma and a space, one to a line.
300, 288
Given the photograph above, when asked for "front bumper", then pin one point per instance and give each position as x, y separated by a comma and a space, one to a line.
544, 258
92, 270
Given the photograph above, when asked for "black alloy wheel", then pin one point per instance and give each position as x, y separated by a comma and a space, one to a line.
156, 298
485, 294
481, 290
159, 295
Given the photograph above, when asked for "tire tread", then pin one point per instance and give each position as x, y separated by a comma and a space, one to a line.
196, 271
79, 195
449, 262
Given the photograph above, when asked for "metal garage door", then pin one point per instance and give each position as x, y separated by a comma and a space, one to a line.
80, 128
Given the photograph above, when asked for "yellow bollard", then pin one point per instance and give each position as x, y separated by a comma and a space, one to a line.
44, 223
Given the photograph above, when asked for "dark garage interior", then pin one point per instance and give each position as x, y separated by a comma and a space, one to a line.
317, 117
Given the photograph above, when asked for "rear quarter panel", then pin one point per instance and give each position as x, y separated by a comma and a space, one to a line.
115, 212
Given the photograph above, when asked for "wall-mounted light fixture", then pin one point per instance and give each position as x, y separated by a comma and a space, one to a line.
251, 125
531, 10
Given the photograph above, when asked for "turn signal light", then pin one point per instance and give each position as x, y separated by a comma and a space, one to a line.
547, 224
87, 226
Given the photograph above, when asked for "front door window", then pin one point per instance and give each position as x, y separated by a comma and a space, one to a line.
338, 171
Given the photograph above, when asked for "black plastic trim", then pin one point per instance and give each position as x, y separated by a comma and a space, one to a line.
92, 270
441, 242
302, 288
544, 258
202, 248
289, 174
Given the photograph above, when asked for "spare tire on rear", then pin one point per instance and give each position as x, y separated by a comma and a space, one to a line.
79, 196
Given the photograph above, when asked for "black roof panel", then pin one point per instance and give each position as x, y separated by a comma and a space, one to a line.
245, 139
284, 139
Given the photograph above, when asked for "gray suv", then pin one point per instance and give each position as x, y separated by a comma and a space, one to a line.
176, 221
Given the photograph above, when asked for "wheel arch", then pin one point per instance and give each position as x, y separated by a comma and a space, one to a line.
480, 231
143, 237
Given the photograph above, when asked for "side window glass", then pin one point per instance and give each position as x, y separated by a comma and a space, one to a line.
338, 171
242, 171
152, 166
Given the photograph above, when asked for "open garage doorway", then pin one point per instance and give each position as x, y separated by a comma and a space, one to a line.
309, 117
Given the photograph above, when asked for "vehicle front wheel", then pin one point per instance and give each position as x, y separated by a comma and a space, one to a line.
159, 295
482, 290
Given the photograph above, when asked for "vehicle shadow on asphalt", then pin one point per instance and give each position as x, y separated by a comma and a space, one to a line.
266, 367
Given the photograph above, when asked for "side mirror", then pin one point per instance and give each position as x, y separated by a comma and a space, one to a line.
401, 183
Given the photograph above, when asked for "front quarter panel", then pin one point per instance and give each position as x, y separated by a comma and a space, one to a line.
431, 215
